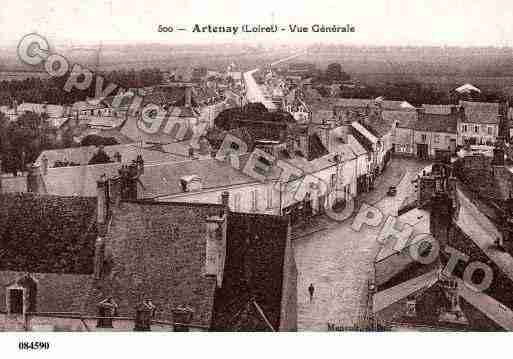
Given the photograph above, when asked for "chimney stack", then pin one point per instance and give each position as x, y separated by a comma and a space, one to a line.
498, 153
441, 216
225, 199
99, 257
102, 200
32, 179
140, 164
144, 314
233, 158
44, 165
182, 318
188, 96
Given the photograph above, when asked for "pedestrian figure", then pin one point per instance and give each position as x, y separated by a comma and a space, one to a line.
311, 291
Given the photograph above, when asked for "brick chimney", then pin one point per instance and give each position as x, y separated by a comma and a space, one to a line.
144, 314
498, 153
44, 165
139, 161
188, 96
99, 258
225, 199
102, 202
182, 318
33, 179
441, 216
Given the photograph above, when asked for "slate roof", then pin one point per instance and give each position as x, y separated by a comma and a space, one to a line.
159, 252
437, 123
164, 179
379, 125
438, 109
316, 148
50, 234
481, 112
405, 119
356, 146
132, 130
254, 271
364, 132
150, 153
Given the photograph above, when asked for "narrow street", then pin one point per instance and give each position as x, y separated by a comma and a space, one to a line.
339, 261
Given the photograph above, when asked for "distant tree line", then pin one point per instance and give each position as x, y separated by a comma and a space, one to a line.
52, 90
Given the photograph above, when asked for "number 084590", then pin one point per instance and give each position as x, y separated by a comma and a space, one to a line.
33, 345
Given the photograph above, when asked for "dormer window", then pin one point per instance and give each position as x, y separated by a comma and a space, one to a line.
411, 306
107, 309
15, 301
21, 296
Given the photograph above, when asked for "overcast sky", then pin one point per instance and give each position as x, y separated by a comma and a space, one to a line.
377, 22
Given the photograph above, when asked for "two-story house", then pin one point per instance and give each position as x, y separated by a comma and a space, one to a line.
481, 122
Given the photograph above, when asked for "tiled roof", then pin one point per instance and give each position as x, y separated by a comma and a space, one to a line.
55, 292
379, 125
494, 310
438, 109
364, 132
483, 233
131, 129
356, 146
481, 112
387, 297
164, 179
347, 151
316, 148
158, 252
48, 234
437, 123
129, 152
406, 119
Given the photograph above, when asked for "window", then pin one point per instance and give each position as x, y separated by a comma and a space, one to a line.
476, 129
333, 181
423, 137
436, 138
490, 130
270, 197
254, 200
16, 301
107, 309
236, 204
465, 128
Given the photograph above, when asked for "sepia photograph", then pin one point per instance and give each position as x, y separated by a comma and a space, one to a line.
333, 169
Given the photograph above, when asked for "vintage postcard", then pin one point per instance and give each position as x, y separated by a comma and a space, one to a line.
255, 166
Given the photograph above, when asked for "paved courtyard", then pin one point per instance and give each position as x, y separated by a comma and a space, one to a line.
339, 261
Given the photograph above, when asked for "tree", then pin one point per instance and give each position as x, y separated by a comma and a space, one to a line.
24, 137
334, 73
96, 140
100, 157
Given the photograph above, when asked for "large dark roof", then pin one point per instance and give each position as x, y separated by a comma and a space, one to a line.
481, 112
437, 123
49, 234
255, 257
158, 252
